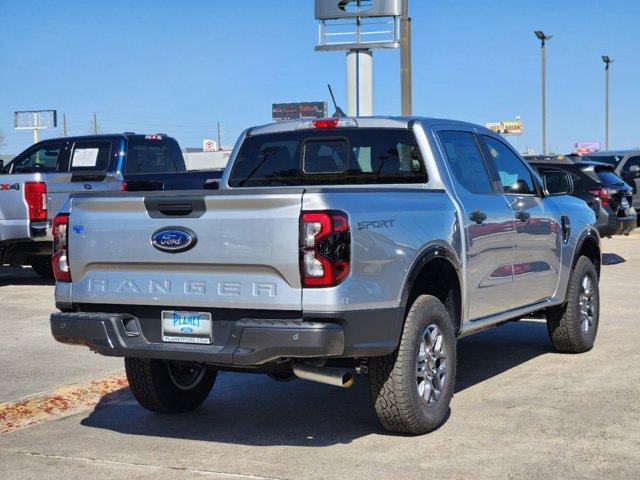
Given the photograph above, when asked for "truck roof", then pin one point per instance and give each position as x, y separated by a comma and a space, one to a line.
102, 136
364, 122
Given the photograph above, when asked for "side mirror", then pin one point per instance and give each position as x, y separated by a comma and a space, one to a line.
557, 183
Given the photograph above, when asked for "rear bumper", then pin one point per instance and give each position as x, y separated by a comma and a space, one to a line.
243, 342
611, 224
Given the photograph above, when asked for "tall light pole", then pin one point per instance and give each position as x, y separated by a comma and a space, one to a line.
405, 60
543, 63
607, 61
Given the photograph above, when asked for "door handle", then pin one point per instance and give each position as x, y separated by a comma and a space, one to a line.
523, 216
478, 216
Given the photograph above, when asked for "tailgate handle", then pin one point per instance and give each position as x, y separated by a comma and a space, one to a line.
189, 206
175, 209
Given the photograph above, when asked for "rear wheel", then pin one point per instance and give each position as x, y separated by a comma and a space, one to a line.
168, 387
411, 388
573, 326
41, 264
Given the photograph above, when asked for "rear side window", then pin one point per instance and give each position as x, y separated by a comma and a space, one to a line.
43, 159
93, 156
346, 156
466, 162
149, 156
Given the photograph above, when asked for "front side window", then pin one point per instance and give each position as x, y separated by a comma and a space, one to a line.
43, 159
348, 156
632, 162
466, 161
514, 175
90, 156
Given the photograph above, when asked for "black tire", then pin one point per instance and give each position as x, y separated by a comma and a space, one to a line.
565, 323
393, 380
156, 389
41, 264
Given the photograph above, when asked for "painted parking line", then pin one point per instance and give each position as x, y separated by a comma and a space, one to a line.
63, 402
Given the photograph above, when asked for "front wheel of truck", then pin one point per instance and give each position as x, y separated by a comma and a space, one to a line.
411, 388
573, 326
168, 387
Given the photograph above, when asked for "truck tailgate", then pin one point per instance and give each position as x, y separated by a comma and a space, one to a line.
246, 254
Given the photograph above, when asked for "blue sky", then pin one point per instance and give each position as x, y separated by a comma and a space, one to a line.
179, 66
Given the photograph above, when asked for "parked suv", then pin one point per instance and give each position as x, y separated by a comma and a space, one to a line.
334, 246
626, 164
597, 184
35, 184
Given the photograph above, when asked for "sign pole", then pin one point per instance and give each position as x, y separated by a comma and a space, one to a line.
360, 83
405, 61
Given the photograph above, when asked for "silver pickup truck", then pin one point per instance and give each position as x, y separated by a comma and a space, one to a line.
35, 184
334, 247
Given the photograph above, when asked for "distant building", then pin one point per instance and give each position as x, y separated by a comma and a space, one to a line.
196, 159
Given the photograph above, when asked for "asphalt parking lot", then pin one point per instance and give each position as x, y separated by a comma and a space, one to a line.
520, 410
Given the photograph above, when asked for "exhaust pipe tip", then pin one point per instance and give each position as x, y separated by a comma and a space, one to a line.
348, 379
330, 376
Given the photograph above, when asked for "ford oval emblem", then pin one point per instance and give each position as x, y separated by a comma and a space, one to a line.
174, 239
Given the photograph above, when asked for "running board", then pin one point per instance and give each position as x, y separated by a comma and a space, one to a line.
483, 323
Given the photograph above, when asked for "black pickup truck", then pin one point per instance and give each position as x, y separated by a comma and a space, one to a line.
35, 184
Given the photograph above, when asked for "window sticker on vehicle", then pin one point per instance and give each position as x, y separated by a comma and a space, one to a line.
85, 157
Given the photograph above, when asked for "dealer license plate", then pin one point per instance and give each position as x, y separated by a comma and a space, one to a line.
186, 327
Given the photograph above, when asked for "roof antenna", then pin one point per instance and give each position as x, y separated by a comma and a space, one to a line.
338, 113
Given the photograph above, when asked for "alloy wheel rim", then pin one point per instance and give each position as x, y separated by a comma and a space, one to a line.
431, 365
587, 304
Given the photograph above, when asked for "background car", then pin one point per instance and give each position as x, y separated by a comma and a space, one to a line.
597, 184
626, 164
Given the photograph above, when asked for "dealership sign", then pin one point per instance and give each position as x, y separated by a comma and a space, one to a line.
209, 145
291, 111
583, 148
514, 127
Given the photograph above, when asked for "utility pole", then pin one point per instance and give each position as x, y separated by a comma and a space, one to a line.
64, 125
405, 60
94, 127
543, 63
607, 61
219, 145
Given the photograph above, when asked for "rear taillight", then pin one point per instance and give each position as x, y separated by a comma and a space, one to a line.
325, 248
123, 187
35, 194
60, 259
604, 194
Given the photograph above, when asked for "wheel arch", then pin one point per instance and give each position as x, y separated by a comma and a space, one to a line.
436, 271
588, 245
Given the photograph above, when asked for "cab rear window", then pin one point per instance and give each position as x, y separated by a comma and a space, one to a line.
329, 157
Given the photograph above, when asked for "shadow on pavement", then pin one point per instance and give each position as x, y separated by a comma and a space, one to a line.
253, 409
612, 259
21, 276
